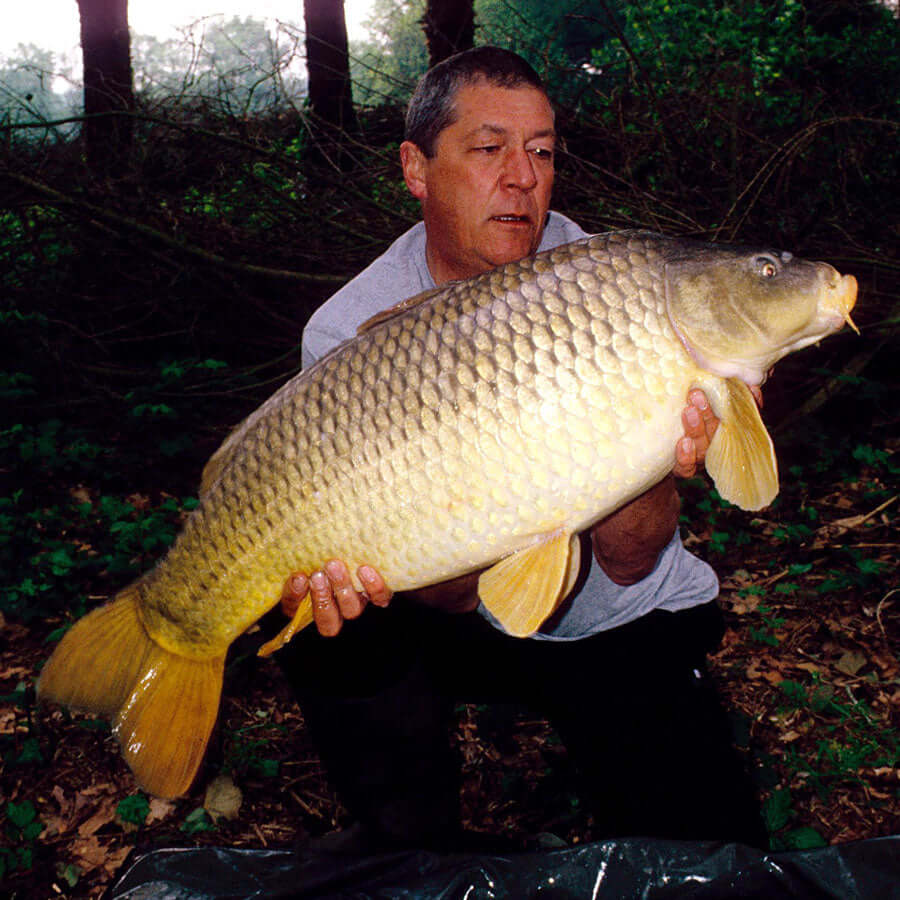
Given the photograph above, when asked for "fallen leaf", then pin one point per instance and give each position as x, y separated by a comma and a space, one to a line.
223, 798
752, 671
851, 662
80, 494
104, 815
159, 809
58, 824
813, 668
740, 606
91, 854
88, 852
8, 721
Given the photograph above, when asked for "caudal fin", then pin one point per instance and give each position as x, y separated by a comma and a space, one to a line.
162, 706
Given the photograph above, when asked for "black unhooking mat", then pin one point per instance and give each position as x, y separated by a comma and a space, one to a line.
610, 870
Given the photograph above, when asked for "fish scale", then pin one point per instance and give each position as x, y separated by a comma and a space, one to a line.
479, 426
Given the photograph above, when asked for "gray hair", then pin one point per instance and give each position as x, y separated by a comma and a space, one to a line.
433, 104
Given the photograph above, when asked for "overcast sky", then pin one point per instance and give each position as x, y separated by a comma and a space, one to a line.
53, 24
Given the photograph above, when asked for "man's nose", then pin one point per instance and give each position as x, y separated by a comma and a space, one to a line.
518, 170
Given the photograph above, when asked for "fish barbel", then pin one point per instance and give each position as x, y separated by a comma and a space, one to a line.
482, 425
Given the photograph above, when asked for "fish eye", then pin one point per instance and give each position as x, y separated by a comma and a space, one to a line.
768, 268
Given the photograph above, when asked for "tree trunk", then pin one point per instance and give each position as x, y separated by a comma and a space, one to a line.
449, 27
108, 89
328, 67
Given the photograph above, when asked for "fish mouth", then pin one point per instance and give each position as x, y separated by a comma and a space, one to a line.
847, 290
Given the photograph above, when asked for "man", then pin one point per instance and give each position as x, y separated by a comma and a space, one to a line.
619, 669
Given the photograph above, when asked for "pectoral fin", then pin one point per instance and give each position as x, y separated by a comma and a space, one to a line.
741, 458
523, 589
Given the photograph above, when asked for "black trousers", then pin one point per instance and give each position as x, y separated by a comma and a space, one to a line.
634, 707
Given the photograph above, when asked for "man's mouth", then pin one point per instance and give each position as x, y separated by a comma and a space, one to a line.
512, 219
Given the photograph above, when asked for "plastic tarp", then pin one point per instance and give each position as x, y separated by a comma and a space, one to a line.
611, 870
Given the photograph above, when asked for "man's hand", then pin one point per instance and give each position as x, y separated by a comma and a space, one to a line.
334, 599
333, 596
700, 424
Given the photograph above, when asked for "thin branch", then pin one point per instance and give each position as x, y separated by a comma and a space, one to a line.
126, 222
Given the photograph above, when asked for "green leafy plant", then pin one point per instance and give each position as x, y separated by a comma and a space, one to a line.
850, 737
247, 752
197, 821
133, 809
22, 828
765, 632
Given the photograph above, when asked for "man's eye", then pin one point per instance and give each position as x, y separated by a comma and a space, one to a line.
488, 148
542, 153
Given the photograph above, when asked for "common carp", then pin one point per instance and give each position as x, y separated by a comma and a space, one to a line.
479, 426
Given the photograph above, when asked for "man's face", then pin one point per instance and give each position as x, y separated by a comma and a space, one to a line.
486, 191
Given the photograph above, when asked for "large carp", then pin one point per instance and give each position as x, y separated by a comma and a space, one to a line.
478, 426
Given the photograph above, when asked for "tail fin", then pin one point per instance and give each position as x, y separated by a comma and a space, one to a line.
163, 706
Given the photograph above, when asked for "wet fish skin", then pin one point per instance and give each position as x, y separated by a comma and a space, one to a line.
491, 419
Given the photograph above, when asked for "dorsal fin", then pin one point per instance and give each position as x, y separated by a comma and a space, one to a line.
217, 462
222, 457
397, 309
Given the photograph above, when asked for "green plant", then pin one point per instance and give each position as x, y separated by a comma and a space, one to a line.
778, 812
22, 828
245, 752
20, 746
48, 552
849, 736
765, 632
197, 821
133, 809
32, 245
861, 572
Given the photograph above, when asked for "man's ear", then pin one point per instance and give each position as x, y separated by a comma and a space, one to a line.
414, 162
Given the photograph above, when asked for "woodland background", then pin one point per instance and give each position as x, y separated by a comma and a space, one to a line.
169, 220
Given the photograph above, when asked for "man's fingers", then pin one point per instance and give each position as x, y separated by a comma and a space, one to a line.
685, 458
293, 592
349, 601
700, 424
332, 594
378, 592
704, 424
326, 614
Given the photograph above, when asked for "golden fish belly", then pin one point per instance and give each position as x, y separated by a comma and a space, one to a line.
535, 398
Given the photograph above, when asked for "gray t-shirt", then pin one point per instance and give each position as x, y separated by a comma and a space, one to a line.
679, 580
